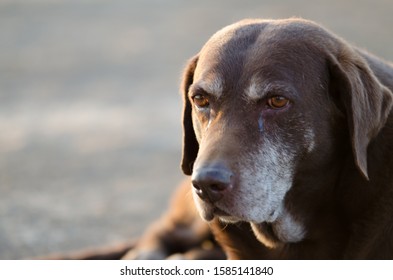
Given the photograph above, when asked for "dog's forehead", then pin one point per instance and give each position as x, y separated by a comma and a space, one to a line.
251, 53
225, 50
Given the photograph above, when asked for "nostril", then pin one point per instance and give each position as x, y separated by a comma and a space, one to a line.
198, 190
196, 187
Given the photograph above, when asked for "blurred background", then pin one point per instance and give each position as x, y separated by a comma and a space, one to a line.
90, 132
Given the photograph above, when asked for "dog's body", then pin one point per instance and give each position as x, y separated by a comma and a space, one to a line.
288, 138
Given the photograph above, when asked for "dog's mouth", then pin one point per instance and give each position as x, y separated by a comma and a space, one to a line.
264, 231
280, 227
209, 212
224, 216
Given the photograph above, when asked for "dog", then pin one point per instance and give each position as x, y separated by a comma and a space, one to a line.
288, 140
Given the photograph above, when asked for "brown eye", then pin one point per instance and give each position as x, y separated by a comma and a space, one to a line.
201, 101
277, 102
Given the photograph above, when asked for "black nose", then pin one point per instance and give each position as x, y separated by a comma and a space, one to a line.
212, 182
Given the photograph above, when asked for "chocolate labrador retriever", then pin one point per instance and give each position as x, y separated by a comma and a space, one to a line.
288, 139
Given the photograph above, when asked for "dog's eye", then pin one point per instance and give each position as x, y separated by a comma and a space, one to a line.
200, 100
277, 102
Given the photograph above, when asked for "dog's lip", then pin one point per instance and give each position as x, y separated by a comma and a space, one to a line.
230, 218
225, 216
208, 213
219, 212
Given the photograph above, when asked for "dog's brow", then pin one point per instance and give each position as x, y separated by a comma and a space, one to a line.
213, 86
253, 91
258, 90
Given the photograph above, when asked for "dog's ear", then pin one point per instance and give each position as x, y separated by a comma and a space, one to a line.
365, 101
190, 143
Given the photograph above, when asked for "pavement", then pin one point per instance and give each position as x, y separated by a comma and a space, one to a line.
90, 140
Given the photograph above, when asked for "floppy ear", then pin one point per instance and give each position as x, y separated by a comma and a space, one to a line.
366, 101
190, 143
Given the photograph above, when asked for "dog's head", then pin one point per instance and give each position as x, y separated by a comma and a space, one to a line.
265, 101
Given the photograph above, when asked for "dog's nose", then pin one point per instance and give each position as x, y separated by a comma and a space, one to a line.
212, 182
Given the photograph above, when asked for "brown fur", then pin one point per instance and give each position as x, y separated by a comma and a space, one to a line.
341, 192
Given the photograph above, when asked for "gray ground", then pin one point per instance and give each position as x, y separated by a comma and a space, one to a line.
89, 108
